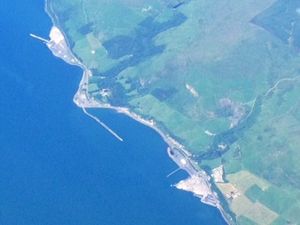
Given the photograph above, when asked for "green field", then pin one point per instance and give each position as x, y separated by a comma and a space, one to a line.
221, 77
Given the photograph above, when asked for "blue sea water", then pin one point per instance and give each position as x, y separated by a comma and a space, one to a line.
58, 167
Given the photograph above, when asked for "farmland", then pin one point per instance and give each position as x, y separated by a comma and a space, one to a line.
220, 77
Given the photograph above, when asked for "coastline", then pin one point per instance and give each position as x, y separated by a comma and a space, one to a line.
82, 100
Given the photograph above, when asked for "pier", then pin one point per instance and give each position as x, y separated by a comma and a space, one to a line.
198, 181
39, 38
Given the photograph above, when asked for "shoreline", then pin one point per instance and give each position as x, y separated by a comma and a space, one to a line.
81, 99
